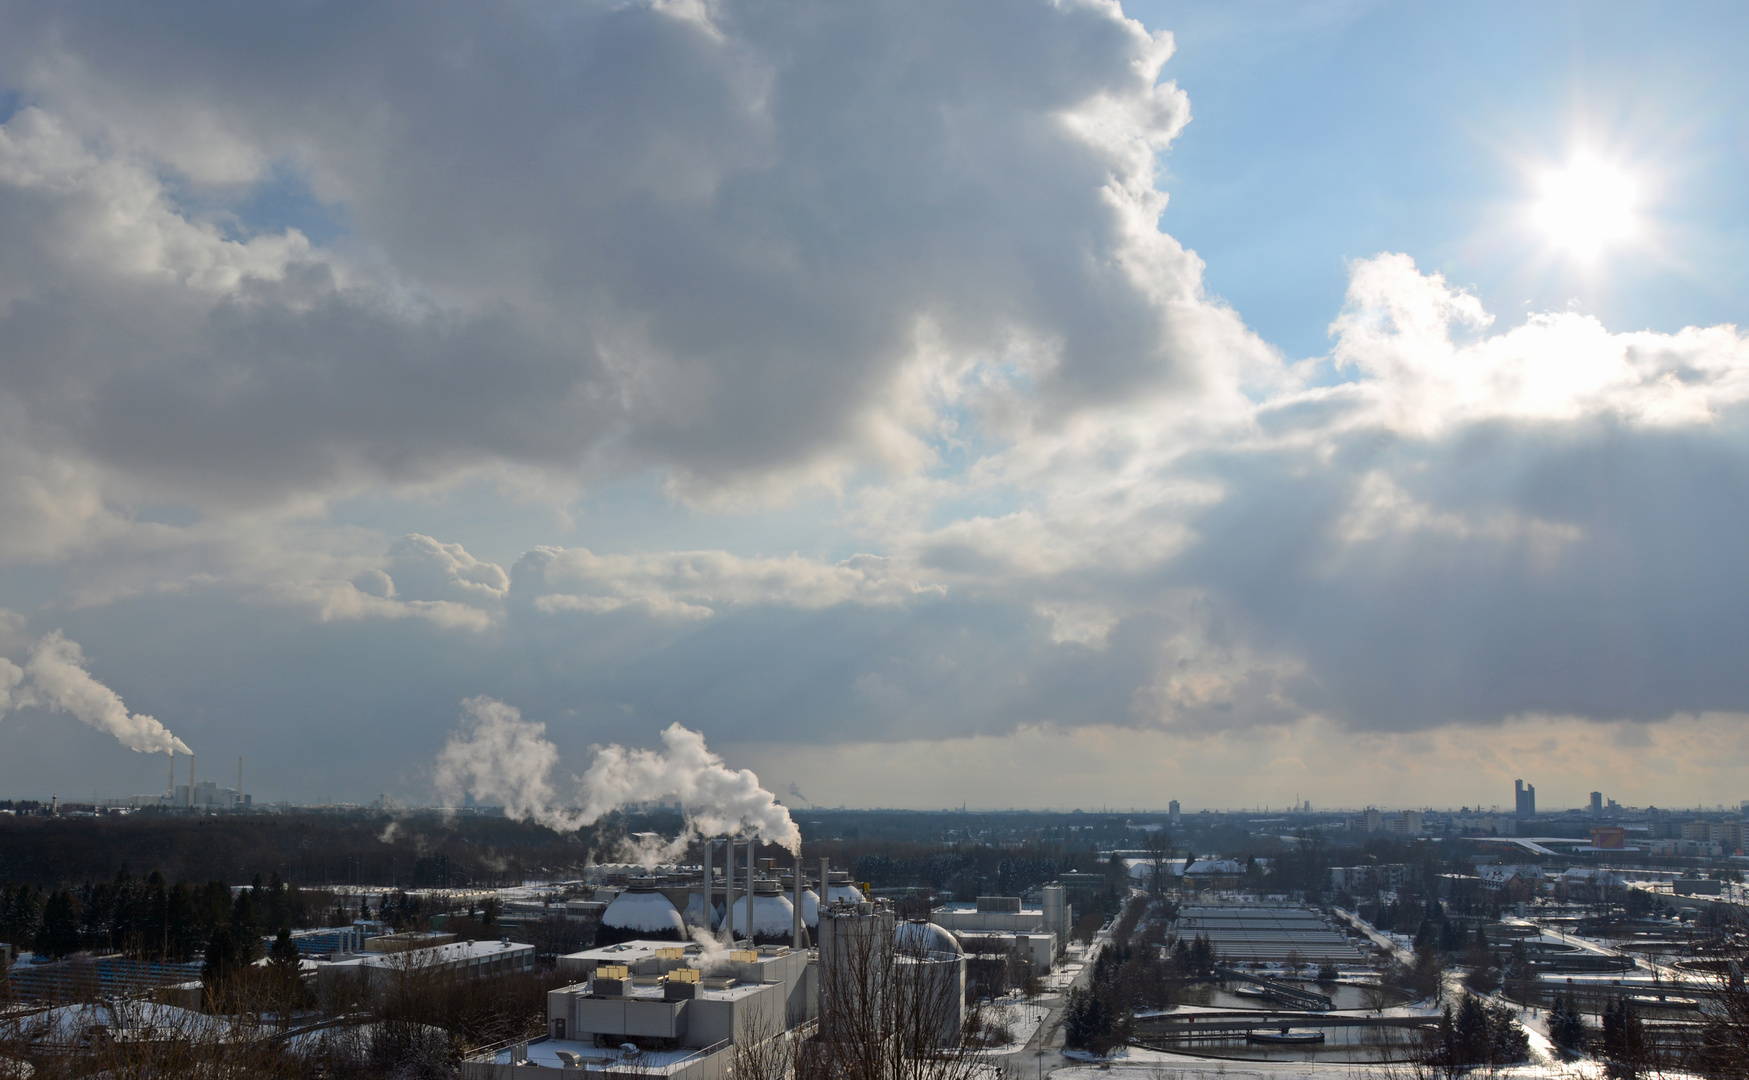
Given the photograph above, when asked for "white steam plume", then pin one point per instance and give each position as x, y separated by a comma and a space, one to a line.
10, 676
712, 956
717, 799
54, 676
505, 759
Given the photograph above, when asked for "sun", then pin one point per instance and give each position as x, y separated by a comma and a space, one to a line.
1587, 206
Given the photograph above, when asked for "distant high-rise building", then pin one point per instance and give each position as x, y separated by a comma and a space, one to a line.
1525, 799
1597, 804
1172, 812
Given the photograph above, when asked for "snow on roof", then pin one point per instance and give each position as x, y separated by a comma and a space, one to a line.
1500, 872
773, 916
650, 912
437, 954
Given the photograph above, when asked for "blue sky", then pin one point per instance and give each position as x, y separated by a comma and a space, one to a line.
1330, 132
842, 388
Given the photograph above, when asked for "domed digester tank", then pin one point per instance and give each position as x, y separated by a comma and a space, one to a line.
640, 913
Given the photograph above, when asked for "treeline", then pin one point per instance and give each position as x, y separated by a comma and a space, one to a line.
151, 919
315, 850
1141, 968
968, 871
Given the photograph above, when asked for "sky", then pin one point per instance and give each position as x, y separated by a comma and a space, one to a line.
1016, 404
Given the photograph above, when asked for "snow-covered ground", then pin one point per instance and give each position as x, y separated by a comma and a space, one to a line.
1135, 1063
1022, 1021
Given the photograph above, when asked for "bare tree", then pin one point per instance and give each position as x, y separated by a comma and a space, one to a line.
764, 1051
887, 1012
1725, 1047
1159, 854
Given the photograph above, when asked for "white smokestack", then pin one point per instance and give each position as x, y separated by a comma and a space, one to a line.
729, 892
55, 677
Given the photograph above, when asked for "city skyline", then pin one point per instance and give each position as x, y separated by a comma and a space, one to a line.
1007, 404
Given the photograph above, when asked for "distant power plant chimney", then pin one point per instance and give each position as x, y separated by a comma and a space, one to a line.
191, 778
172, 793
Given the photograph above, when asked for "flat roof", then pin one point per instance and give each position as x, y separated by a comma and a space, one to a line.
637, 949
546, 1052
438, 954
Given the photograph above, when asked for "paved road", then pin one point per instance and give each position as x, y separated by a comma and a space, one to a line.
1044, 1051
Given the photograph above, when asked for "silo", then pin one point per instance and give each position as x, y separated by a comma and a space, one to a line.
1057, 913
929, 983
856, 954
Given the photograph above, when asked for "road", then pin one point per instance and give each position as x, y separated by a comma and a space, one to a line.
1044, 1051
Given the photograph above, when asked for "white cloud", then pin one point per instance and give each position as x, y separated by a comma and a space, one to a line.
1398, 331
904, 261
695, 584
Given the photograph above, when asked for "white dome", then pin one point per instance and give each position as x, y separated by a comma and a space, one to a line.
918, 938
810, 908
645, 912
843, 894
773, 916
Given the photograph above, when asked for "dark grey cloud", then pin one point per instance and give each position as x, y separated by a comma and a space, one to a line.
703, 236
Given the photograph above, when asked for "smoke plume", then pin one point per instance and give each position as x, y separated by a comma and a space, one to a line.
716, 798
54, 677
504, 759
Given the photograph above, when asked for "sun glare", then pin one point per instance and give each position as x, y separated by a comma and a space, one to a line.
1587, 206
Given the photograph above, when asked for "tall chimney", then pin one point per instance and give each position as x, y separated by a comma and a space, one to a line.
795, 934
729, 895
239, 781
750, 842
825, 890
172, 793
708, 844
191, 778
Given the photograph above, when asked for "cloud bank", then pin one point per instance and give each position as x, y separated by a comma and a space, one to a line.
830, 372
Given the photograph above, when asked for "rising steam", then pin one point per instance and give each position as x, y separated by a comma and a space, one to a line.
54, 677
502, 758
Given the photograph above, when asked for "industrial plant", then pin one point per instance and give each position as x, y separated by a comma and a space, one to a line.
692, 966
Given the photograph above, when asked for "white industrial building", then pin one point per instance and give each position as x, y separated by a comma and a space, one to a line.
474, 959
656, 1007
1006, 915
